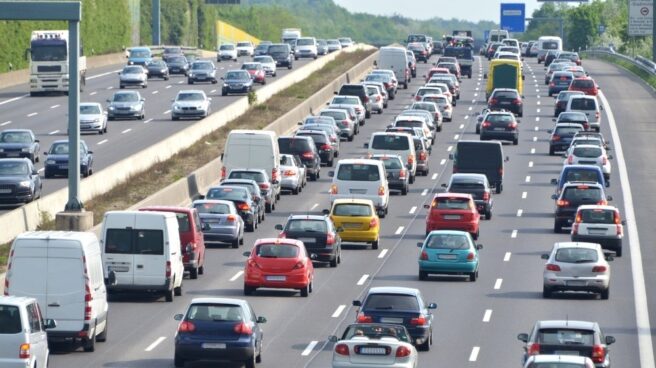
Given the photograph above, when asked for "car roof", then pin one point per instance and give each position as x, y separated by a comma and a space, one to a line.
166, 209
586, 245
448, 232
453, 195
559, 358
240, 181
16, 301
17, 130
393, 290
190, 91
586, 183
359, 161
353, 201
24, 159
236, 187
597, 207
248, 170
214, 201
234, 301
463, 176
584, 325
307, 217
287, 241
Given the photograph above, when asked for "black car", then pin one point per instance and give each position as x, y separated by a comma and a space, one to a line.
318, 234
573, 195
480, 116
19, 181
560, 81
262, 48
305, 149
402, 306
322, 144
437, 47
178, 65
507, 99
419, 50
16, 143
170, 52
574, 117
236, 81
158, 68
562, 99
360, 91
282, 54
241, 197
476, 185
562, 136
500, 126
255, 190
57, 159
480, 158
550, 57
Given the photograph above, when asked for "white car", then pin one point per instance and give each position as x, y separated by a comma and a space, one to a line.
374, 345
442, 102
599, 224
245, 48
349, 101
133, 75
375, 98
306, 47
227, 51
268, 64
590, 154
445, 90
190, 104
293, 172
93, 118
558, 361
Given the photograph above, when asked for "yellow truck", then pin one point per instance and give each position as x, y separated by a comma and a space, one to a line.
503, 73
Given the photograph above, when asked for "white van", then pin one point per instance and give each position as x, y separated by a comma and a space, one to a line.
395, 59
511, 42
361, 179
497, 35
546, 43
587, 105
253, 149
397, 144
63, 271
141, 251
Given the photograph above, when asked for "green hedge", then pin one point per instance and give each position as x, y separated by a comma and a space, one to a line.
105, 29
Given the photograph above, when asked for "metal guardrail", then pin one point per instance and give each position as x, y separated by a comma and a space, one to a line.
639, 61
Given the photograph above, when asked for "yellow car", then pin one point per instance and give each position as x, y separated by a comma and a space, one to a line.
357, 219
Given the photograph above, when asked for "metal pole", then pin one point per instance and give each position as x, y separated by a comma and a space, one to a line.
155, 19
653, 33
74, 203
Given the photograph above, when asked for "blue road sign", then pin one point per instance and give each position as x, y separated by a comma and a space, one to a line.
513, 17
486, 35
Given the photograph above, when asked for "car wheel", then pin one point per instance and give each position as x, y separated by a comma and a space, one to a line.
330, 163
178, 362
350, 137
102, 337
477, 234
404, 191
251, 228
178, 290
190, 81
367, 114
193, 274
546, 292
473, 276
305, 291
478, 130
618, 251
241, 240
333, 263
268, 208
201, 270
423, 275
515, 141
405, 85
235, 243
488, 214
558, 227
105, 129
605, 294
90, 345
425, 346
499, 188
374, 244
551, 151
249, 290
174, 118
295, 191
412, 179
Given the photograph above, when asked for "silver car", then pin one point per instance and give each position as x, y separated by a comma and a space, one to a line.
92, 118
226, 51
348, 127
350, 101
376, 98
398, 177
382, 89
589, 154
126, 104
220, 221
190, 104
574, 266
133, 75
268, 64
329, 126
293, 172
333, 45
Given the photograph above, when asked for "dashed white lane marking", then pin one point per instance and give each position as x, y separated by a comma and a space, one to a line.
155, 92
93, 93
309, 348
497, 284
169, 86
424, 192
148, 121
455, 137
103, 74
41, 169
363, 279
470, 108
532, 151
212, 91
53, 132
443, 161
520, 212
538, 101
448, 149
535, 139
413, 210
180, 82
167, 111
102, 142
155, 343
537, 118
528, 178
382, 253
399, 230
236, 276
466, 117
128, 130
476, 94
473, 101
6, 123
110, 87
339, 311
506, 258
487, 315
477, 88
461, 126
474, 354
434, 175
32, 114
14, 99
524, 194
54, 106
537, 128
314, 206
538, 111
513, 234
530, 164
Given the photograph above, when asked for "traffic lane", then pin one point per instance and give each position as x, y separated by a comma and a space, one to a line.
220, 283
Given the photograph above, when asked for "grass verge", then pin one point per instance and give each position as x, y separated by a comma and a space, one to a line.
625, 64
164, 173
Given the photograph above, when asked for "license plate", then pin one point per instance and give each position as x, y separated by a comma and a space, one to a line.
505, 103
452, 217
576, 283
447, 256
358, 191
391, 320
118, 268
372, 351
63, 166
307, 240
566, 352
597, 232
5, 191
12, 154
499, 128
351, 225
208, 345
276, 278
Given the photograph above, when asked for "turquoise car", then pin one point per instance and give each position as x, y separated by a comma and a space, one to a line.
449, 252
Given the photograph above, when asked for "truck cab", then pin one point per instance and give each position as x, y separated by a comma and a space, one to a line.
49, 63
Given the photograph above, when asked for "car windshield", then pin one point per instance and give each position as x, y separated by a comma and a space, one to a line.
440, 100
499, 118
10, 320
212, 208
337, 115
263, 59
230, 194
358, 172
13, 168
447, 241
251, 175
576, 255
62, 148
564, 131
227, 47
201, 66
352, 209
177, 59
306, 225
214, 313
446, 203
251, 66
583, 83
376, 332
126, 97
392, 142
391, 302
583, 104
505, 94
423, 106
304, 42
376, 78
391, 163
237, 75
276, 251
278, 49
133, 70
587, 152
15, 137
562, 96
344, 100
90, 109
565, 336
184, 96
243, 44
597, 216
582, 193
139, 53
556, 365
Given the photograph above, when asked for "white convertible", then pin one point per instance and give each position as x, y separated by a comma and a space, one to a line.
365, 345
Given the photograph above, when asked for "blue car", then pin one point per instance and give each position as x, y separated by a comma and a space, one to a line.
236, 81
218, 329
57, 159
140, 56
449, 252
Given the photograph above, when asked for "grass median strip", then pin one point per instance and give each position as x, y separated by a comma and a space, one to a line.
210, 146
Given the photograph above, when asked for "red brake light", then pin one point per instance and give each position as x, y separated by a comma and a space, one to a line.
243, 328
512, 125
288, 173
366, 99
486, 124
602, 202
402, 173
570, 159
274, 174
470, 256
342, 349
168, 269
423, 156
492, 101
24, 351
517, 101
231, 218
486, 196
578, 219
381, 190
418, 321
362, 318
402, 352
411, 159
617, 219
299, 265
424, 256
223, 173
599, 269
562, 203
333, 189
186, 326
534, 349
282, 235
553, 267
243, 207
555, 138
373, 223
330, 239
604, 160
598, 354
308, 154
265, 186
326, 147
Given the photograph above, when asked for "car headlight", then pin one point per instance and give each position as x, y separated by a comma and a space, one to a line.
176, 107
50, 162
26, 149
191, 74
2, 149
96, 120
25, 183
111, 108
225, 84
130, 62
163, 71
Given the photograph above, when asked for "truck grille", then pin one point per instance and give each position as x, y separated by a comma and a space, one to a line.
48, 68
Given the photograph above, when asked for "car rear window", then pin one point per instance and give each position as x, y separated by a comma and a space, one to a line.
581, 175
391, 163
597, 216
499, 118
214, 313
134, 241
337, 115
583, 104
556, 365
358, 172
212, 208
447, 241
582, 193
229, 194
565, 336
390, 142
10, 320
307, 225
183, 222
351, 209
408, 123
576, 255
276, 251
257, 176
423, 106
572, 116
583, 83
567, 130
391, 302
562, 96
505, 94
428, 91
316, 137
451, 203
467, 186
345, 100
292, 145
351, 90
376, 332
587, 152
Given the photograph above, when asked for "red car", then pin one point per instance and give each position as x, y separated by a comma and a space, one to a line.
453, 211
278, 263
433, 71
586, 85
256, 70
191, 237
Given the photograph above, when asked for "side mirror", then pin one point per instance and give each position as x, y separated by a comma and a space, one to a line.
278, 227
37, 141
554, 120
331, 174
443, 185
357, 303
427, 206
609, 198
420, 244
550, 131
610, 340
326, 212
554, 181
375, 63
451, 156
90, 152
544, 256
366, 145
111, 278
485, 76
201, 196
222, 78
554, 197
479, 246
34, 172
507, 159
431, 306
522, 337
335, 92
178, 317
610, 157
261, 319
108, 100
333, 338
49, 324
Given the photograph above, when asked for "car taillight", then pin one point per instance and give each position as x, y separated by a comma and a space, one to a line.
326, 147
486, 196
418, 321
223, 173
168, 269
243, 328
333, 139
377, 98
575, 228
553, 267
330, 239
265, 186
424, 256
534, 349
381, 190
87, 302
417, 98
598, 353
402, 174
299, 265
186, 326
492, 101
373, 223
470, 256
342, 349
366, 99
411, 159
243, 207
517, 101
308, 155
24, 351
486, 124
512, 125
402, 352
604, 160
555, 138
602, 202
619, 230
282, 235
570, 159
274, 174
288, 173
597, 115
552, 84
387, 85
423, 156
333, 189
345, 123
363, 318
231, 218
562, 203
599, 269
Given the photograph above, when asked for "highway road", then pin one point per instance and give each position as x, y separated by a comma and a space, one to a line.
476, 323
47, 117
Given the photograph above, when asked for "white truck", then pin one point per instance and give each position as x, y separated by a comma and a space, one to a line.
49, 62
290, 34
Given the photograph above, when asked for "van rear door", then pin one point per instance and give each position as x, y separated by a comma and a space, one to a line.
118, 253
65, 285
150, 250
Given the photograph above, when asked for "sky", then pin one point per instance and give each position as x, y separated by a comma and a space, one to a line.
472, 10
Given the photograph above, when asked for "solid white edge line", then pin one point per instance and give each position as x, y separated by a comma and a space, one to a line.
487, 315
497, 284
363, 279
155, 343
236, 276
339, 311
443, 161
382, 253
309, 348
128, 130
532, 151
14, 99
474, 354
639, 291
102, 142
528, 178
314, 206
507, 256
6, 123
